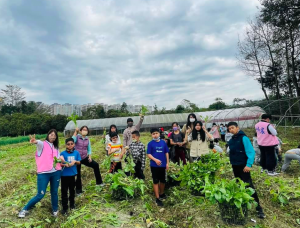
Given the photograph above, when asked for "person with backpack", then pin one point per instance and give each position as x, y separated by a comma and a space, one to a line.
177, 139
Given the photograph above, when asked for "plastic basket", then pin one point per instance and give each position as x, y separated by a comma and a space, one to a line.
232, 215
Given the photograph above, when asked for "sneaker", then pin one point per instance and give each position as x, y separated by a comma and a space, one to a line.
55, 213
263, 170
72, 207
272, 173
23, 213
260, 212
64, 212
162, 196
101, 185
159, 203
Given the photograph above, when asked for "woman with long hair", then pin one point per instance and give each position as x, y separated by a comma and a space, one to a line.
83, 146
191, 119
46, 172
198, 138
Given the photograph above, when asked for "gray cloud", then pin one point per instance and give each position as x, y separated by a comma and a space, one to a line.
140, 52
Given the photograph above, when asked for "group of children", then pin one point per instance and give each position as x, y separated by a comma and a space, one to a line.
194, 138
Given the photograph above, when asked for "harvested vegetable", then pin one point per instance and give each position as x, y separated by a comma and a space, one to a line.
144, 110
56, 160
73, 118
103, 140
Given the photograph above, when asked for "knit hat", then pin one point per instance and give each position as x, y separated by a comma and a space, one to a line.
129, 120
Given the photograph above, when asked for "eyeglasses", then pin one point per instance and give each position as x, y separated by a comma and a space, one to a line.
70, 144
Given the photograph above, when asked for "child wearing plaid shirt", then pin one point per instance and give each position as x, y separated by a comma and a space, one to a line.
138, 152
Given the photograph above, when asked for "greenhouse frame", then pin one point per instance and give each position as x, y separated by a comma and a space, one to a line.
245, 117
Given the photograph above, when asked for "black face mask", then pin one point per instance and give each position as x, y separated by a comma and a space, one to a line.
129, 124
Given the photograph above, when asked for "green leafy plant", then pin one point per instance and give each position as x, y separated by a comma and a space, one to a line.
107, 162
230, 192
174, 173
56, 160
206, 119
103, 136
129, 164
144, 110
125, 187
73, 118
283, 191
193, 174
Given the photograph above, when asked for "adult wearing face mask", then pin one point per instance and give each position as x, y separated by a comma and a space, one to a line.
189, 125
83, 146
44, 156
130, 128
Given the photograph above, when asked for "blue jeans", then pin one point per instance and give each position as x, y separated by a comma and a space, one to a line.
42, 183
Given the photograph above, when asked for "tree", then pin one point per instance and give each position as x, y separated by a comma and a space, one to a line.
217, 105
252, 57
237, 101
180, 109
94, 112
124, 108
13, 94
284, 15
155, 110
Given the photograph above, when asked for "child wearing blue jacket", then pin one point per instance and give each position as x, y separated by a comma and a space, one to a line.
242, 156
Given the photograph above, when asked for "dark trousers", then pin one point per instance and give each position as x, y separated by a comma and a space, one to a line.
94, 165
246, 177
67, 185
138, 171
180, 155
115, 166
268, 158
223, 138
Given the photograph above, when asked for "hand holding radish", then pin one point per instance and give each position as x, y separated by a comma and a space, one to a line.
32, 139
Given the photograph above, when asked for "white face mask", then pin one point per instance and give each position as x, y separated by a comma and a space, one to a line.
192, 120
84, 133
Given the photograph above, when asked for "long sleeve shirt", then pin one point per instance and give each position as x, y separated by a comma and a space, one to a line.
138, 152
127, 133
250, 152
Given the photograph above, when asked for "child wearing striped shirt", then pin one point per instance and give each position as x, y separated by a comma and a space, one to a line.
115, 149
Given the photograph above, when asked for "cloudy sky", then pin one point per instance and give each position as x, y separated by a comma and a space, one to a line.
137, 51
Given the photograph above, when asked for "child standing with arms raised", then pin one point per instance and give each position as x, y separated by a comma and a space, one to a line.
158, 153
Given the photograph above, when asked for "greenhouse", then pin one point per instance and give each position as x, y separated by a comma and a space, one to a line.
246, 117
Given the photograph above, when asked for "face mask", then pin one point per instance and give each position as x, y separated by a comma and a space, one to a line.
192, 120
175, 128
134, 140
130, 124
84, 133
156, 139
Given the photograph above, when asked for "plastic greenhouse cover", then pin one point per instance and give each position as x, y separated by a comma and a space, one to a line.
241, 115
